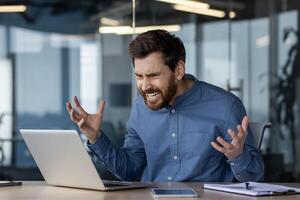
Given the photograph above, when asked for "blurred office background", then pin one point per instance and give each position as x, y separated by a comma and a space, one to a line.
51, 50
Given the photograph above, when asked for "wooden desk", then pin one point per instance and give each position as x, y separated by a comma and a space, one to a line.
41, 191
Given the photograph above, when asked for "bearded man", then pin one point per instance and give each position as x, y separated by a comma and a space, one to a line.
180, 128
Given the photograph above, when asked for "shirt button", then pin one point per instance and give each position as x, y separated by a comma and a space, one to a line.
169, 178
173, 111
175, 157
173, 134
232, 164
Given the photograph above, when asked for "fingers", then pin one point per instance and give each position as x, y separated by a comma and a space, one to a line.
243, 129
101, 107
225, 144
230, 150
69, 107
80, 124
232, 134
218, 147
238, 137
241, 133
73, 115
78, 106
235, 148
245, 123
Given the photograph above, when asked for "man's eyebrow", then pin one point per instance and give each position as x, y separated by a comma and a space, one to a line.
153, 74
149, 74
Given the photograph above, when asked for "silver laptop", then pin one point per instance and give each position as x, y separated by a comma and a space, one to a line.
63, 161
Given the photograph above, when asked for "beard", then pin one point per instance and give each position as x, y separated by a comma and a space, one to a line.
165, 98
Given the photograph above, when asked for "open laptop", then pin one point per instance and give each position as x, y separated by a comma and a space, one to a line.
63, 161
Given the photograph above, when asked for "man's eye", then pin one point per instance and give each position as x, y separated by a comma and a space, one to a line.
154, 75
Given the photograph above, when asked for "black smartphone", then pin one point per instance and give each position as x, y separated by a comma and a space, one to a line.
174, 192
10, 183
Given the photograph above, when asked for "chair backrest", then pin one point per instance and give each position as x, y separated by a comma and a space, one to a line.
258, 129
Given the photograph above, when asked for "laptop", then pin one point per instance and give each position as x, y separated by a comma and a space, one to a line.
63, 161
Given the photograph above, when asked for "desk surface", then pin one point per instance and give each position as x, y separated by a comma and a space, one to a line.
41, 191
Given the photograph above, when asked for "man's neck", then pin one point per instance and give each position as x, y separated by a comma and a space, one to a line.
183, 87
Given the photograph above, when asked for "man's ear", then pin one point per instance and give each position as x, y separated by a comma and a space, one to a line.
180, 70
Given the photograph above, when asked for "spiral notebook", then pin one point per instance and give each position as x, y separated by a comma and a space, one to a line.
254, 189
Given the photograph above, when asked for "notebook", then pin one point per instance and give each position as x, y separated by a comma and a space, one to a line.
63, 161
253, 189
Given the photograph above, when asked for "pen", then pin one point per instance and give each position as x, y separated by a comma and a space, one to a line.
247, 184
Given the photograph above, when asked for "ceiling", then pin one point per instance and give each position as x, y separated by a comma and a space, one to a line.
82, 16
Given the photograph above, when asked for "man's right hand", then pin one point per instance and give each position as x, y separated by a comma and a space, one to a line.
89, 124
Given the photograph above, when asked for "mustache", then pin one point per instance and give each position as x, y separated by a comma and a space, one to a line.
151, 90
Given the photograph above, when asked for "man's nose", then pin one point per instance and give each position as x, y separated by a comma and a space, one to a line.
146, 85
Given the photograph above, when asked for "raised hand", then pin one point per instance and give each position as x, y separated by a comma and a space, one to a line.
89, 124
236, 147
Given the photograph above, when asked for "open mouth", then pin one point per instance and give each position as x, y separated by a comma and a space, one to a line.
153, 97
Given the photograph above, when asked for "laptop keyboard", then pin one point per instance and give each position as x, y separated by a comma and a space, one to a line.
115, 183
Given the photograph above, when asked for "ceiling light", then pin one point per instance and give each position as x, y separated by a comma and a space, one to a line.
127, 30
109, 21
194, 4
115, 29
209, 12
12, 8
232, 14
170, 28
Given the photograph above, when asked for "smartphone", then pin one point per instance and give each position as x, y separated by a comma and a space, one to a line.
10, 183
174, 192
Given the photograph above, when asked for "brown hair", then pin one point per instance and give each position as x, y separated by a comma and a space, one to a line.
161, 41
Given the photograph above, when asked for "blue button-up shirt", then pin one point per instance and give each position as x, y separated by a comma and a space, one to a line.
173, 143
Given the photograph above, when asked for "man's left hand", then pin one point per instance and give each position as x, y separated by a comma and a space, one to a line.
235, 148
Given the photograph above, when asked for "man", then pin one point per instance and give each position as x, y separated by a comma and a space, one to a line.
180, 129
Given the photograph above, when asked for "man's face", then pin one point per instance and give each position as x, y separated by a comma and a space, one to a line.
155, 81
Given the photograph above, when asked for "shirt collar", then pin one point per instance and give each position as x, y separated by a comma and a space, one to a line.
187, 94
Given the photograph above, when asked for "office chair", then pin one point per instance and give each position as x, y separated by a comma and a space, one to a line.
258, 130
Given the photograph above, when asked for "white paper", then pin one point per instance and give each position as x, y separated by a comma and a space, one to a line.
255, 189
